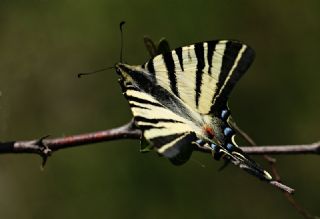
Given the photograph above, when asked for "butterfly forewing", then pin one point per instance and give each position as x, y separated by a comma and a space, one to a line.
162, 126
203, 74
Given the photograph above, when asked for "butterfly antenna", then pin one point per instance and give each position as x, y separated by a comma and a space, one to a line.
79, 75
121, 32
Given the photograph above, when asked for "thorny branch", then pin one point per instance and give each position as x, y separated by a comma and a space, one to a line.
45, 147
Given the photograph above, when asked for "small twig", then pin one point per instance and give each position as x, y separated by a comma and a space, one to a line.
276, 149
245, 136
298, 207
282, 187
283, 149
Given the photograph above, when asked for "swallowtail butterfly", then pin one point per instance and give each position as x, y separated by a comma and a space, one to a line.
179, 100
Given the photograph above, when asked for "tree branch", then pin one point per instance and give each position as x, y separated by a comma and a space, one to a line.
37, 146
45, 147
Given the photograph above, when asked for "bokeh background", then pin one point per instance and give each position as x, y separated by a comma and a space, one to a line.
43, 44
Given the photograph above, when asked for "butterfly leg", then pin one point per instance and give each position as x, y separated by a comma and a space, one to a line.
217, 151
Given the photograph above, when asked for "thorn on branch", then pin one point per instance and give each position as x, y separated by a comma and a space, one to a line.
44, 150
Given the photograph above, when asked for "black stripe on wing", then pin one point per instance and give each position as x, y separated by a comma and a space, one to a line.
147, 127
224, 87
131, 87
150, 67
170, 66
179, 54
243, 65
161, 141
155, 121
143, 101
211, 48
199, 51
184, 144
181, 144
228, 59
132, 105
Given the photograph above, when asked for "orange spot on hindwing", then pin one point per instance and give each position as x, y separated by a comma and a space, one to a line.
208, 131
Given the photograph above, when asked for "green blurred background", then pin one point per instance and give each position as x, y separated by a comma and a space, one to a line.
43, 44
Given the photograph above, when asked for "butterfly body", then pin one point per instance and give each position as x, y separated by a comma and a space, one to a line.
179, 100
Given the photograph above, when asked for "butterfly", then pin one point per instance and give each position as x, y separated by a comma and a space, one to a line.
179, 100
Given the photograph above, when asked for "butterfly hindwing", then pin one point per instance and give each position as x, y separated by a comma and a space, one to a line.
162, 118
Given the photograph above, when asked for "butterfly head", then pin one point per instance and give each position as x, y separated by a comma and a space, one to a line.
122, 68
128, 70
124, 71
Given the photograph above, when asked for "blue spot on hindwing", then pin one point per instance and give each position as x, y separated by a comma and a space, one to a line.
229, 147
225, 114
200, 142
217, 153
213, 146
228, 131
